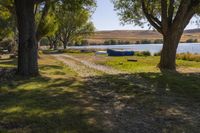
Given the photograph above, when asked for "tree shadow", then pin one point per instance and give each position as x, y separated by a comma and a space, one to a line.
44, 105
148, 102
125, 103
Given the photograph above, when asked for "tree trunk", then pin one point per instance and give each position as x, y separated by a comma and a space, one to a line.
28, 49
168, 54
55, 46
65, 42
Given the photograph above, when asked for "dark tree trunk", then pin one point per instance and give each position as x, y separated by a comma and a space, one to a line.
28, 49
65, 42
51, 46
65, 46
55, 46
168, 54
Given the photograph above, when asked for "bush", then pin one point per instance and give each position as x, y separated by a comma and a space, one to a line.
143, 53
191, 41
68, 51
158, 41
145, 41
137, 42
76, 51
188, 57
157, 54
84, 42
8, 44
44, 42
110, 42
40, 52
13, 56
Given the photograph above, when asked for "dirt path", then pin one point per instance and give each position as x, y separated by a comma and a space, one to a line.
85, 68
82, 70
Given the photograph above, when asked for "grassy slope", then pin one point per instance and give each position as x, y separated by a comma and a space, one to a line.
59, 101
133, 36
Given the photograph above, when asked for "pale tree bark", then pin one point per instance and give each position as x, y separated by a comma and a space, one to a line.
28, 49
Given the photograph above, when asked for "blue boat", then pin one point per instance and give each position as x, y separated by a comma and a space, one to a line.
112, 52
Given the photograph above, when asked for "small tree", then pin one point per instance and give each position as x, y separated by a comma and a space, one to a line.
168, 17
73, 24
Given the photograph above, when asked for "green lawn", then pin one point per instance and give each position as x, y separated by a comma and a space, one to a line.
143, 64
59, 101
51, 102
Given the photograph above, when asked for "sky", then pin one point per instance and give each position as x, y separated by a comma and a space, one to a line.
105, 18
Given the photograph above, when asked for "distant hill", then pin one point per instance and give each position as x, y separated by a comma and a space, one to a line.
132, 36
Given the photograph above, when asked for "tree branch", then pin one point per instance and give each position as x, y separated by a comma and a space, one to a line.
150, 18
170, 11
164, 16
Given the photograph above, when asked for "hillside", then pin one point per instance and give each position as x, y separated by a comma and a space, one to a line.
137, 35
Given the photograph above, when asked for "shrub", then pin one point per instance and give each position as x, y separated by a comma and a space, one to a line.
157, 54
13, 56
84, 42
40, 52
123, 42
44, 42
137, 42
113, 42
145, 41
143, 53
68, 51
9, 45
158, 41
110, 42
191, 41
188, 57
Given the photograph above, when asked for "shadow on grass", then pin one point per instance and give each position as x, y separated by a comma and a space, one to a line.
43, 105
143, 102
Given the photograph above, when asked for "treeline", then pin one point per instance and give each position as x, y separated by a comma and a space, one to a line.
192, 41
56, 24
146, 41
115, 42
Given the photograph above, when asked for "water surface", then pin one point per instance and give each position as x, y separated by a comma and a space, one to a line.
153, 48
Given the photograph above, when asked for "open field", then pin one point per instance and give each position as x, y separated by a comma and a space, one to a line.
63, 100
132, 36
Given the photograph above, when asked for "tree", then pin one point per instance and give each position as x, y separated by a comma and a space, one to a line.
7, 20
168, 17
28, 48
53, 40
73, 24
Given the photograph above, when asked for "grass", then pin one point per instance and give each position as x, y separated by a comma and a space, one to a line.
49, 103
143, 64
59, 101
188, 57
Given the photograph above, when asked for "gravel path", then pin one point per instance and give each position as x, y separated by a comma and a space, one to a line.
82, 70
81, 66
